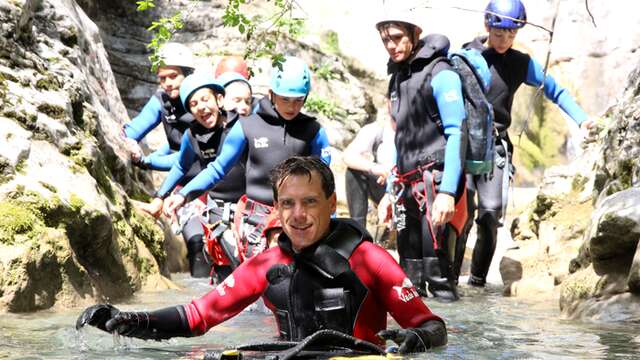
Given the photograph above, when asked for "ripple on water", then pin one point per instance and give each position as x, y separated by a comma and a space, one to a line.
482, 325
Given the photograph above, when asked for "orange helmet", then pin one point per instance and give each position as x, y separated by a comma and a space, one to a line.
232, 63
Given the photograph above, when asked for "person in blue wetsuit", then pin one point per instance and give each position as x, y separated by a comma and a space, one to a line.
275, 132
163, 107
509, 69
428, 181
201, 143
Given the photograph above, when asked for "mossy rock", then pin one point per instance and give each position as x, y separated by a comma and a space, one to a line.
48, 82
16, 219
54, 111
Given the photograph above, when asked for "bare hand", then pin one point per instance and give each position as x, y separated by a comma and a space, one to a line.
154, 208
385, 210
442, 209
134, 150
171, 204
381, 171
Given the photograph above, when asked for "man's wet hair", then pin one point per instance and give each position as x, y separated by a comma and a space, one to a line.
302, 165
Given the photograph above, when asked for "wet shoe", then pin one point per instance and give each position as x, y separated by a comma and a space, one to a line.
476, 281
442, 288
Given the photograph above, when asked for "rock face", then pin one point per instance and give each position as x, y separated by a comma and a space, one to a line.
68, 233
598, 275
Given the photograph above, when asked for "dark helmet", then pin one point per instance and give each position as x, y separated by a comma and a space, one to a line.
497, 12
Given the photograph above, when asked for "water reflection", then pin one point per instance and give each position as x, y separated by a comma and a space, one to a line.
483, 325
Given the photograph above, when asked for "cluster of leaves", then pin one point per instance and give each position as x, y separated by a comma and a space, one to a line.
322, 106
326, 72
262, 34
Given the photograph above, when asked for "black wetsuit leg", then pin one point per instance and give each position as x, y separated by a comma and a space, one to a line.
193, 235
489, 190
361, 186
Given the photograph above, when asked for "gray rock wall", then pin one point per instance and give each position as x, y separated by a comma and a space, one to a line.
68, 232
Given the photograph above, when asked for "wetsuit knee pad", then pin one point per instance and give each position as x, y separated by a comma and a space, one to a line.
194, 245
489, 218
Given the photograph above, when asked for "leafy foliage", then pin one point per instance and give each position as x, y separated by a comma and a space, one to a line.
319, 105
262, 34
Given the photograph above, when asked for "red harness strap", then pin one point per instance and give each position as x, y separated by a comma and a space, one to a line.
425, 195
252, 221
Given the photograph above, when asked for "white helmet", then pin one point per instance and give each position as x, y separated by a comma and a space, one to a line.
175, 54
404, 11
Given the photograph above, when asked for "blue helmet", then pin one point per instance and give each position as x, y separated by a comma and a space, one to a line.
497, 9
228, 77
195, 82
294, 80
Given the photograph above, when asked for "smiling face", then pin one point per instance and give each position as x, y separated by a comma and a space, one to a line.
501, 40
238, 97
304, 209
170, 79
203, 104
287, 107
398, 41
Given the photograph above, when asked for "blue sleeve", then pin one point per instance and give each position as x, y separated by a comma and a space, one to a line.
232, 149
161, 159
555, 92
146, 120
320, 146
186, 157
447, 90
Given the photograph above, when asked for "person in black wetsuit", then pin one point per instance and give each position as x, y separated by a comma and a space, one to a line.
510, 68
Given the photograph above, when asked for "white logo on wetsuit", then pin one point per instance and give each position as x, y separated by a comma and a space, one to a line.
229, 282
325, 152
262, 142
406, 292
209, 153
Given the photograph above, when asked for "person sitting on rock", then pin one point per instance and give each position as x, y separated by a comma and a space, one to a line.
324, 273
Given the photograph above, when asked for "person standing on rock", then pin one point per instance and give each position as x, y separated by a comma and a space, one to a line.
323, 274
275, 132
509, 69
163, 107
428, 183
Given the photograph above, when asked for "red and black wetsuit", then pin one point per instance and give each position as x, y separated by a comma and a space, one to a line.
376, 283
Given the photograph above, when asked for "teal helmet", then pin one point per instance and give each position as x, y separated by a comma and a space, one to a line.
229, 77
294, 80
195, 82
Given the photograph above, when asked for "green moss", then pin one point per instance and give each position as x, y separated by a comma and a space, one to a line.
16, 219
625, 173
54, 111
48, 82
20, 166
6, 170
76, 203
330, 42
578, 183
49, 187
145, 229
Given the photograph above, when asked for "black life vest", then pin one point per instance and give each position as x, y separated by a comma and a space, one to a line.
175, 119
318, 290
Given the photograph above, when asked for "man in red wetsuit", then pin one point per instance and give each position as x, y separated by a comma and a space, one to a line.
324, 274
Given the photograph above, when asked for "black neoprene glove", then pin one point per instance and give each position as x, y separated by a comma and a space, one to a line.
147, 325
431, 334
